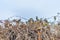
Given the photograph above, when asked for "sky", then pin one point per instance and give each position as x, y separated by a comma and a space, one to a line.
29, 8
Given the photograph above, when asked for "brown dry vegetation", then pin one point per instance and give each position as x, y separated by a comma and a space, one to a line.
31, 30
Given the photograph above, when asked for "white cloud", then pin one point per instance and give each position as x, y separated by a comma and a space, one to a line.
35, 7
4, 14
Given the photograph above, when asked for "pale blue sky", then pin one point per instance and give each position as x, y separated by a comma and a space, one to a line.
29, 8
